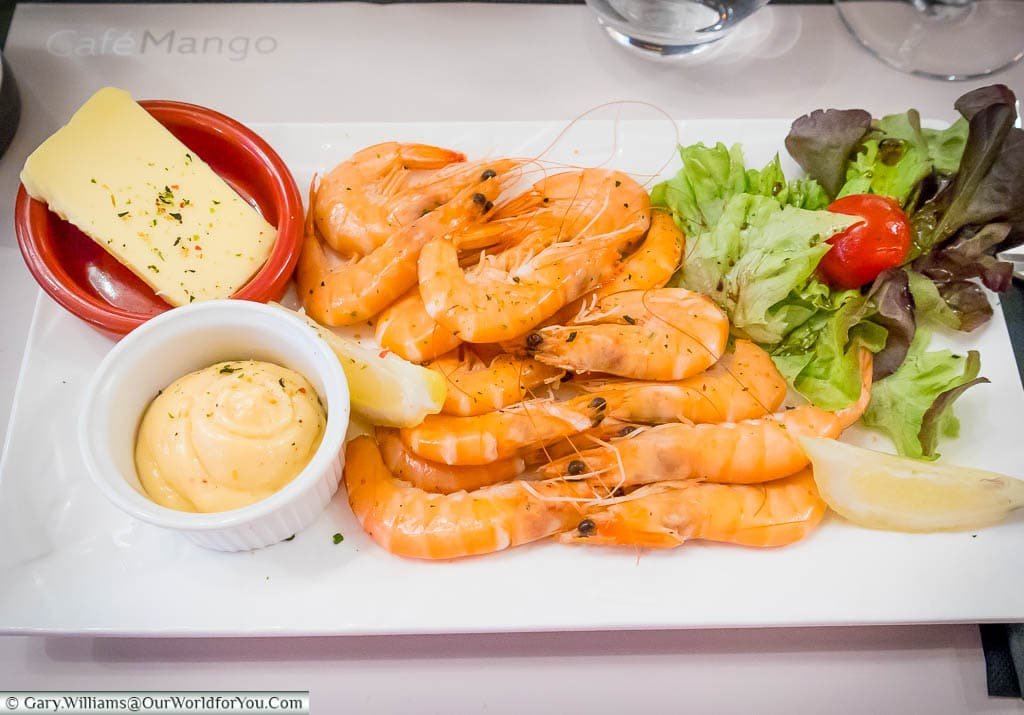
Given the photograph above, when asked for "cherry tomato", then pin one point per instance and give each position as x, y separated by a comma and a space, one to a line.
865, 249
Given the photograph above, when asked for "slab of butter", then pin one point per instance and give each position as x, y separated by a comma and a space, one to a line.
130, 185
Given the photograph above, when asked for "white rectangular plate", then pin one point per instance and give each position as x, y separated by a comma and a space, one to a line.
71, 563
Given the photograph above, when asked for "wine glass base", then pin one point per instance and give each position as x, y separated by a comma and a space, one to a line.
951, 40
654, 50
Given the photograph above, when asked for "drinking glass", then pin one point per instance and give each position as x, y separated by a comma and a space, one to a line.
946, 39
671, 28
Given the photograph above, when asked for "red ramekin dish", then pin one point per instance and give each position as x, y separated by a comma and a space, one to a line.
90, 283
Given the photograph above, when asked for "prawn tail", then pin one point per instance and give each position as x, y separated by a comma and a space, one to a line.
848, 415
426, 156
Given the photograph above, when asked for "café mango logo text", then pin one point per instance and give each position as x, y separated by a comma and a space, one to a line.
116, 42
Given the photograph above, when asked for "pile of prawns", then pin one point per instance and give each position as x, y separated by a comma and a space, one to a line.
668, 433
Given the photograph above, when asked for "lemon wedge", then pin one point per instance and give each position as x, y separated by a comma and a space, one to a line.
384, 389
883, 491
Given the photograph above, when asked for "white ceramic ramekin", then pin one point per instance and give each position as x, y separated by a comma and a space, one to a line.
190, 338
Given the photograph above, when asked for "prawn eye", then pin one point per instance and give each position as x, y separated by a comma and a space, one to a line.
488, 174
598, 403
533, 340
586, 527
576, 467
626, 431
488, 206
479, 199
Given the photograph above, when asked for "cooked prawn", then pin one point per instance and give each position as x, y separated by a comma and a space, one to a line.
557, 208
487, 438
666, 515
660, 334
337, 292
491, 306
746, 452
743, 385
411, 522
519, 229
381, 188
649, 266
477, 385
505, 295
581, 202
441, 478
653, 263
408, 330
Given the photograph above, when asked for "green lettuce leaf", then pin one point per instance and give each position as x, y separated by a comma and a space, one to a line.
946, 146
887, 167
698, 193
898, 155
913, 405
807, 194
771, 181
753, 246
821, 357
755, 257
942, 147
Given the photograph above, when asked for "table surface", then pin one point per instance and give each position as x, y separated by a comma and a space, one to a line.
359, 62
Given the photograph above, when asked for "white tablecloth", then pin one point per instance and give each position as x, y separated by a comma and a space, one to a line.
461, 62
